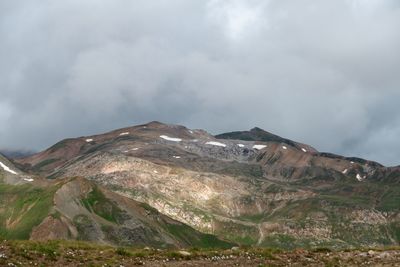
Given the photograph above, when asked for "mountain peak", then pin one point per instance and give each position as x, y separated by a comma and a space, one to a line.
257, 129
155, 123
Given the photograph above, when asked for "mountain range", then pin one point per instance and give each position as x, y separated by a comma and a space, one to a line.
166, 185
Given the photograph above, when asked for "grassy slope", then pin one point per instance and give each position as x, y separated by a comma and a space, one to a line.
22, 208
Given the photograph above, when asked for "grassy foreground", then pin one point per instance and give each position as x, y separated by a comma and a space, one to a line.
73, 253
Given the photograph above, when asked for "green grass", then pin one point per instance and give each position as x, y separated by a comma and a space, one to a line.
96, 202
84, 225
256, 218
390, 200
239, 233
24, 207
44, 163
196, 239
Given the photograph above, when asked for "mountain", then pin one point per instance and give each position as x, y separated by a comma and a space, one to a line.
249, 187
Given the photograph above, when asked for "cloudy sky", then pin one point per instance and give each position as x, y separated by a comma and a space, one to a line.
322, 72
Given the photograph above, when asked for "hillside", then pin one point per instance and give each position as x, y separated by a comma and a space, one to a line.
252, 187
77, 209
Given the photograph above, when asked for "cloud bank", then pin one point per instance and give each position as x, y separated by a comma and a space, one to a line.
322, 72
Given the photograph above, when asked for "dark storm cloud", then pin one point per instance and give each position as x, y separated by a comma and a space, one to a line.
322, 72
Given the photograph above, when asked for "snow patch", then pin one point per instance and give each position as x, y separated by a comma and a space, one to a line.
240, 145
133, 149
190, 131
172, 139
284, 147
176, 157
345, 171
89, 140
216, 144
351, 162
304, 150
122, 134
359, 177
28, 179
6, 168
259, 147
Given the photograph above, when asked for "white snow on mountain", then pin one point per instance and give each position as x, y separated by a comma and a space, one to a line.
6, 168
172, 139
216, 144
259, 147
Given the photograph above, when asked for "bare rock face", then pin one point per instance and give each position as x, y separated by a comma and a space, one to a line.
51, 229
249, 187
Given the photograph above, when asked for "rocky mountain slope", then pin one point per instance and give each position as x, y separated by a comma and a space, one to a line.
248, 187
77, 209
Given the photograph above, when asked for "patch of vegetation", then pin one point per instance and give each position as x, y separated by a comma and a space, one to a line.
395, 228
44, 163
96, 202
282, 241
50, 249
274, 188
56, 215
85, 227
123, 252
240, 169
95, 148
390, 200
196, 239
23, 207
148, 207
239, 233
256, 218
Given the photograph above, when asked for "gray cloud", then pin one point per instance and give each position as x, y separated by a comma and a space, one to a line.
321, 72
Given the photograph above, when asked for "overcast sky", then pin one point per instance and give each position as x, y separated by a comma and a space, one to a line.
326, 73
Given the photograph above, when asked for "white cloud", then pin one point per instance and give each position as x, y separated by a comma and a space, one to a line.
237, 18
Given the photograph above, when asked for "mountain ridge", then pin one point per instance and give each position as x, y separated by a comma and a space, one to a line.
265, 190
